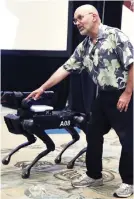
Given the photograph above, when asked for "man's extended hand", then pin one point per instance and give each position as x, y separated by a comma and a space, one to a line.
35, 94
123, 101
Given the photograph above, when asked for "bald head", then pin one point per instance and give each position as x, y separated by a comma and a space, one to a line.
87, 8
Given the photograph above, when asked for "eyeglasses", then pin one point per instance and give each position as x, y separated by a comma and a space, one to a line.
80, 17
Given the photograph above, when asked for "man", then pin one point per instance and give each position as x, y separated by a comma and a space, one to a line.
106, 53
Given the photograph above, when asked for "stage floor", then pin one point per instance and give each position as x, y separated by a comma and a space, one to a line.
51, 181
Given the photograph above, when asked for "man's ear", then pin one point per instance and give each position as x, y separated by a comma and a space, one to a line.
94, 17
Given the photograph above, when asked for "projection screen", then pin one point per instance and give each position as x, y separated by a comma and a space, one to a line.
127, 25
35, 25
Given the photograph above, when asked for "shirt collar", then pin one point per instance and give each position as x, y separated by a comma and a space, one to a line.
102, 33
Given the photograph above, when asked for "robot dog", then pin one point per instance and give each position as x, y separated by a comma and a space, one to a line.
34, 117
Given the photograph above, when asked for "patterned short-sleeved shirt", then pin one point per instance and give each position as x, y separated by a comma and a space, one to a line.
107, 61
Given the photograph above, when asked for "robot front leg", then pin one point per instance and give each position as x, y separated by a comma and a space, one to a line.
75, 137
31, 140
50, 147
70, 165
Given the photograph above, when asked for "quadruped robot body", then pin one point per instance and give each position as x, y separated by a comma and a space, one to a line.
33, 117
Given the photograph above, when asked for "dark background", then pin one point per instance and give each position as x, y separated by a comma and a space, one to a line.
24, 71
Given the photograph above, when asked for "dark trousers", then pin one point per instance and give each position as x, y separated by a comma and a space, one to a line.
105, 116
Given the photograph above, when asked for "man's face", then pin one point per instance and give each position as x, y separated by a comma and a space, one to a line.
84, 21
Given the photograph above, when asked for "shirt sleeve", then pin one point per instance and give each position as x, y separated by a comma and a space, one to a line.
74, 63
124, 50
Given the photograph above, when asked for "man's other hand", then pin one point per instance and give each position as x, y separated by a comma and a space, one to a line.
123, 101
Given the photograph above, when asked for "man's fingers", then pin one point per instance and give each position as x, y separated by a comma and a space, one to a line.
121, 106
29, 96
123, 102
37, 96
126, 107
